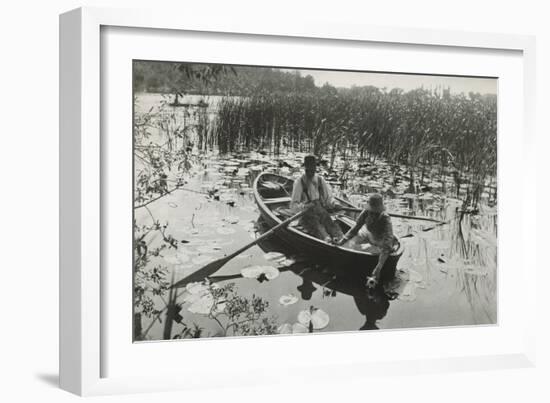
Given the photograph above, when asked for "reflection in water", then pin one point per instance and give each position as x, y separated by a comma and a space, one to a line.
373, 303
306, 289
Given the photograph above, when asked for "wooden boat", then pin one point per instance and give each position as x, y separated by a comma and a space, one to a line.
272, 195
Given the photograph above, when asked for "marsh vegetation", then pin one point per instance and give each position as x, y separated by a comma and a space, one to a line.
430, 153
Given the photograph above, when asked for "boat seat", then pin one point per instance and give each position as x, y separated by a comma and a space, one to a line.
277, 200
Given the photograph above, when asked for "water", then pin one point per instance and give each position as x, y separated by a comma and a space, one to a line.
445, 277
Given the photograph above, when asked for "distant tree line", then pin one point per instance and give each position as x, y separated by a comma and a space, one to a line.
208, 79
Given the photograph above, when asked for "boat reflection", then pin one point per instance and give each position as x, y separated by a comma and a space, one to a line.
372, 304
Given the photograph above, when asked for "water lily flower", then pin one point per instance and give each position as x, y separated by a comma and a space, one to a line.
231, 219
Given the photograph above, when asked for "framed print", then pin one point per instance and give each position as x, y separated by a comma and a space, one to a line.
238, 192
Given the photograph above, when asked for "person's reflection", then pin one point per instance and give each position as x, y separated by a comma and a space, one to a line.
374, 305
306, 289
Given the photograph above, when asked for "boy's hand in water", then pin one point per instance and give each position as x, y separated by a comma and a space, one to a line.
372, 282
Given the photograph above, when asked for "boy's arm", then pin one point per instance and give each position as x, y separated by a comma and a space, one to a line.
386, 246
353, 231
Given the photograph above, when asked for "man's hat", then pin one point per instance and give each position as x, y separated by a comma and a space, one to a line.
310, 160
375, 203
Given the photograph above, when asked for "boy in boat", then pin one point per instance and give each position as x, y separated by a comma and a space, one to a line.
373, 227
311, 190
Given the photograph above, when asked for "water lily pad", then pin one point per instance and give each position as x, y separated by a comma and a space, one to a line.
273, 256
317, 317
252, 272
269, 272
191, 298
286, 262
231, 219
288, 299
196, 288
299, 328
287, 328
203, 305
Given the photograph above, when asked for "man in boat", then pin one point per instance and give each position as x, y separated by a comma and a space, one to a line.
373, 227
311, 191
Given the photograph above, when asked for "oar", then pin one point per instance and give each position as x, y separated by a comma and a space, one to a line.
410, 217
214, 266
429, 229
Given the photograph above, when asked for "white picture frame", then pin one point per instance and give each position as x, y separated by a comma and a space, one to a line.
83, 185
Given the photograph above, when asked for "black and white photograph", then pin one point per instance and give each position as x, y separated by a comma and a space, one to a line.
273, 200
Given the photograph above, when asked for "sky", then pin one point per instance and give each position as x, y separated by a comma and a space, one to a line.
405, 81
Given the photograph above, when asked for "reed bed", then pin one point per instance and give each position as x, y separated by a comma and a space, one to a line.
425, 131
